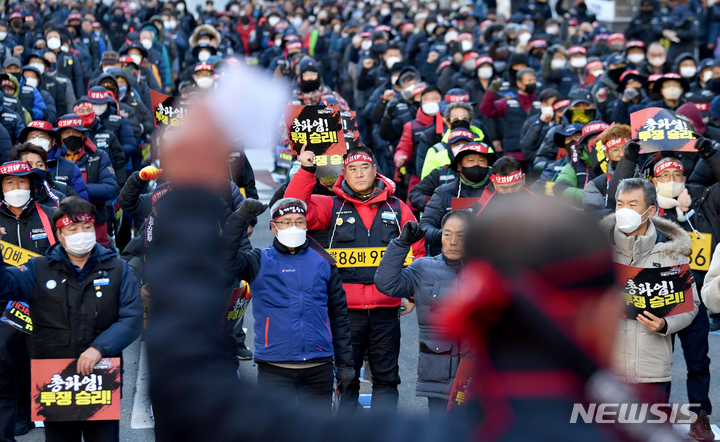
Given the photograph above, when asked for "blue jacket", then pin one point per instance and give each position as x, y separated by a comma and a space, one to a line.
65, 171
38, 107
104, 188
18, 284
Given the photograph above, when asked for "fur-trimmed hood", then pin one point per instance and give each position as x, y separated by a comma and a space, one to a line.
676, 241
204, 29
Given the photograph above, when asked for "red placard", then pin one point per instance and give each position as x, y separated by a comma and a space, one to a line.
320, 127
463, 203
662, 291
59, 393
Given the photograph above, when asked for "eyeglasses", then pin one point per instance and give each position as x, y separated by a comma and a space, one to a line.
615, 150
41, 137
457, 120
282, 225
678, 177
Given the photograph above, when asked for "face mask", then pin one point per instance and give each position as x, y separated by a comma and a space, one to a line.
296, 22
41, 142
169, 25
706, 76
582, 116
53, 43
670, 189
79, 244
524, 38
636, 58
597, 73
88, 119
3, 35
475, 174
390, 62
147, 44
39, 66
385, 11
460, 124
32, 82
309, 85
671, 92
278, 42
557, 64
272, 21
394, 79
73, 143
137, 59
552, 30
64, 48
466, 45
203, 55
547, 110
204, 82
292, 237
450, 36
485, 73
99, 109
366, 45
17, 197
430, 27
469, 64
407, 93
657, 61
180, 7
530, 88
235, 8
430, 108
578, 62
688, 71
628, 220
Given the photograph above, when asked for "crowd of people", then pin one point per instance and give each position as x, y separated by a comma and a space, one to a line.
463, 110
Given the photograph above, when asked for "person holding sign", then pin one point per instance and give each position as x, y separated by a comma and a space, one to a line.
643, 350
301, 320
84, 301
29, 233
362, 218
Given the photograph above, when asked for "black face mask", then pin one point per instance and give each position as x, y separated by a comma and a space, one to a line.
474, 174
465, 124
530, 88
655, 96
614, 74
73, 143
538, 55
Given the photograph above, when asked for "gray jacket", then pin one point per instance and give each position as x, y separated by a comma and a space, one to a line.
641, 355
427, 279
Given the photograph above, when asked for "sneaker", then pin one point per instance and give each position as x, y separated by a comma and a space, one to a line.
700, 429
244, 354
23, 426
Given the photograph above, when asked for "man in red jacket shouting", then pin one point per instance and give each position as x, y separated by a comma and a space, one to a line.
361, 219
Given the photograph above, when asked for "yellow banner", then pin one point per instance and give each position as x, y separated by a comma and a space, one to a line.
362, 257
700, 256
14, 255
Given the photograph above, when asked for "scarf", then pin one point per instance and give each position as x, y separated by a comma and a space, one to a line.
681, 204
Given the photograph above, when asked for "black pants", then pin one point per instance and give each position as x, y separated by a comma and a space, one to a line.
311, 387
14, 379
90, 431
694, 340
437, 406
377, 332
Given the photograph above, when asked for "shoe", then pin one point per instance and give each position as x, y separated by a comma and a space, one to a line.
700, 429
244, 354
23, 426
714, 323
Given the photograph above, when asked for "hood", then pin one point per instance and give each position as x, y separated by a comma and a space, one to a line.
17, 85
678, 241
693, 113
104, 76
384, 189
680, 58
203, 28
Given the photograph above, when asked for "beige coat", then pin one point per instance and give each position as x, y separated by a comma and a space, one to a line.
711, 289
641, 355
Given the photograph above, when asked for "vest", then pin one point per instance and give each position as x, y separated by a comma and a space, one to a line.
67, 317
514, 118
347, 231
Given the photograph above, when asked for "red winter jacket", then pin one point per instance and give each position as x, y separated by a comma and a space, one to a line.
406, 146
319, 214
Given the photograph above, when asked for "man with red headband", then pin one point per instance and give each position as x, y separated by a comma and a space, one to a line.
362, 218
507, 179
75, 313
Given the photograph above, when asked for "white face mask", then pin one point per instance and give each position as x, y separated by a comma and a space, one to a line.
636, 58
32, 82
469, 64
628, 220
147, 44
657, 61
292, 237
278, 42
169, 25
204, 82
557, 64
688, 71
597, 73
42, 142
203, 55
39, 66
297, 22
80, 243
64, 48
524, 38
552, 30
137, 59
385, 11
455, 150
430, 108
672, 92
180, 7
670, 189
466, 45
53, 43
451, 36
578, 62
485, 73
547, 110
706, 76
366, 45
390, 62
394, 79
17, 197
430, 27
3, 35
99, 109
272, 21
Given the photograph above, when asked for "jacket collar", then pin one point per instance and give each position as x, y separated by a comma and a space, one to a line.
383, 190
57, 253
662, 236
282, 249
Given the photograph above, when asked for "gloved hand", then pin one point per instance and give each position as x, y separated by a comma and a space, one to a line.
630, 94
251, 208
150, 173
495, 86
704, 147
411, 233
345, 375
632, 151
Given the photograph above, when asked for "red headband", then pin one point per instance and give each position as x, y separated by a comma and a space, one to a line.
615, 141
702, 106
577, 50
507, 179
460, 98
14, 167
358, 157
96, 95
69, 122
85, 105
595, 127
592, 65
560, 104
672, 164
66, 221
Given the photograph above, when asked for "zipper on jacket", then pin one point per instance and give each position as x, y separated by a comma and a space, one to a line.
18, 234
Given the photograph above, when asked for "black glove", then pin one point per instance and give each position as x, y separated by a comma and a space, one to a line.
251, 208
345, 375
632, 151
411, 233
704, 147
